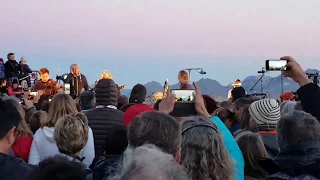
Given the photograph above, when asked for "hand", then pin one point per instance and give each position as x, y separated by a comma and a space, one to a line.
27, 104
36, 98
40, 92
167, 104
295, 71
199, 102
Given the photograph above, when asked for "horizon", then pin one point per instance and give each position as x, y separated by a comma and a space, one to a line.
149, 40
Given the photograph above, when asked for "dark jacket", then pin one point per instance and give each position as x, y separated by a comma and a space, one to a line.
12, 168
106, 167
78, 84
12, 69
269, 138
310, 99
25, 70
299, 162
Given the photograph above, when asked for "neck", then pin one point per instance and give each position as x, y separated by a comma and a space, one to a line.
4, 149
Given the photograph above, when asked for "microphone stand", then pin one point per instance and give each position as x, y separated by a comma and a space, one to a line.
259, 80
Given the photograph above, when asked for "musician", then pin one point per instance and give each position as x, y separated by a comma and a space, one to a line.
78, 82
107, 75
46, 86
236, 84
183, 78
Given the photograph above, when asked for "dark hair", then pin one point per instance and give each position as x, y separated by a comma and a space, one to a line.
139, 90
245, 119
241, 102
58, 168
122, 100
227, 104
10, 116
116, 141
45, 106
126, 106
237, 93
156, 105
225, 114
155, 128
136, 98
10, 54
87, 100
43, 71
211, 104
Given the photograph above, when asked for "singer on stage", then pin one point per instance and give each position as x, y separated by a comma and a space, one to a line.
237, 83
78, 82
183, 78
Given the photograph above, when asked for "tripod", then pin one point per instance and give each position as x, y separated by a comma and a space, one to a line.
263, 72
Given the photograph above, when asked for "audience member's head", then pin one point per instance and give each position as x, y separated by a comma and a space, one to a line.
203, 152
265, 111
253, 150
210, 103
122, 100
226, 116
239, 105
105, 75
125, 107
106, 92
245, 119
297, 128
227, 104
45, 106
9, 122
138, 94
116, 141
58, 168
237, 93
298, 106
37, 120
288, 96
71, 133
156, 128
87, 100
60, 105
288, 106
149, 162
135, 111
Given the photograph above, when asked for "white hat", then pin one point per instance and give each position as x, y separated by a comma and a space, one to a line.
265, 111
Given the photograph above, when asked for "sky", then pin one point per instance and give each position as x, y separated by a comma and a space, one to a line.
150, 40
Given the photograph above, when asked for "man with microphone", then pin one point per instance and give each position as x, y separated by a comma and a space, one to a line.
78, 82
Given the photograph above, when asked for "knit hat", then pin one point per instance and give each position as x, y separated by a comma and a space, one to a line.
287, 96
106, 92
265, 111
134, 111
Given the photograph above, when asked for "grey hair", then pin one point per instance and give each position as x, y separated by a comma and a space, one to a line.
297, 127
149, 162
288, 106
73, 66
203, 152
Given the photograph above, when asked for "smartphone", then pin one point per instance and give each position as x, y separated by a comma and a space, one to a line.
34, 93
184, 95
276, 65
67, 88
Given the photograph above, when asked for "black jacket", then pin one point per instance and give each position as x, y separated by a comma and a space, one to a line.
78, 84
107, 167
12, 69
310, 99
12, 168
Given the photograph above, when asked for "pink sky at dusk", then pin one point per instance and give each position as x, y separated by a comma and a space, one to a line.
166, 28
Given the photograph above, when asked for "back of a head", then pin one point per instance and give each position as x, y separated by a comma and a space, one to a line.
155, 128
237, 93
87, 100
241, 103
37, 120
288, 106
265, 111
10, 115
201, 142
139, 90
122, 100
149, 162
116, 141
296, 128
245, 119
211, 104
227, 104
106, 92
136, 98
58, 168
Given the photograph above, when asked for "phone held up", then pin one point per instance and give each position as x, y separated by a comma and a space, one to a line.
276, 65
184, 105
183, 96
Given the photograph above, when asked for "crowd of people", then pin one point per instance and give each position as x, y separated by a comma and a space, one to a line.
103, 135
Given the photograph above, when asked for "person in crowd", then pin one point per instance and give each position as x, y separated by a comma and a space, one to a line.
115, 145
46, 86
3, 86
59, 168
245, 121
227, 104
183, 78
43, 144
211, 104
298, 135
11, 167
264, 117
149, 162
238, 107
125, 107
105, 116
12, 68
287, 96
253, 151
227, 117
78, 82
201, 142
14, 90
71, 135
122, 100
237, 93
87, 101
25, 71
138, 94
37, 120
156, 128
135, 111
45, 106
287, 106
236, 84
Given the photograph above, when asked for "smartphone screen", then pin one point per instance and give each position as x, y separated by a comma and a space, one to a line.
67, 88
184, 96
34, 93
276, 65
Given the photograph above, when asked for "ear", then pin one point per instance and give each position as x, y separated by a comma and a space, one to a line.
10, 136
178, 155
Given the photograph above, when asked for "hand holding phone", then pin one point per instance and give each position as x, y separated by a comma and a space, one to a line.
276, 65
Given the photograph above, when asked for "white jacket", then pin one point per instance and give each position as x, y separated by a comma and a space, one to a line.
43, 146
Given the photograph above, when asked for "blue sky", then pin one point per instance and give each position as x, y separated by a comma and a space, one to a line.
145, 40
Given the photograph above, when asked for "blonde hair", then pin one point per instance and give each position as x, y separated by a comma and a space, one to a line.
105, 75
184, 75
71, 133
60, 105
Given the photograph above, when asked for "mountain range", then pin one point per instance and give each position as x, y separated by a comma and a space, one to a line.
271, 86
